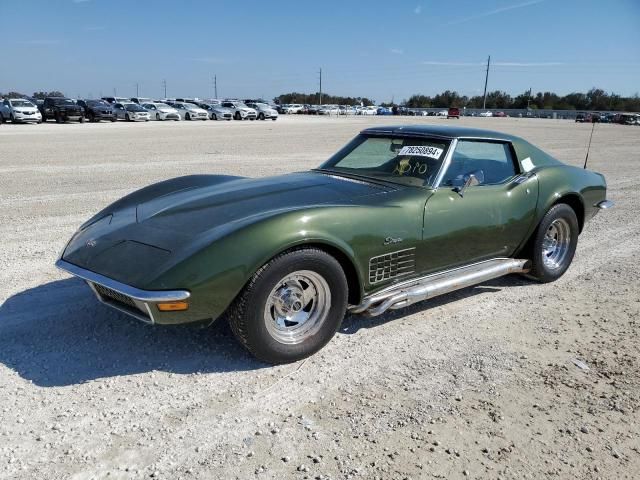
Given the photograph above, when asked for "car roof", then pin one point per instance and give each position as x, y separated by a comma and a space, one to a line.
439, 131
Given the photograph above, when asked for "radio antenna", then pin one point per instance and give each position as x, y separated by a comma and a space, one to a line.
593, 126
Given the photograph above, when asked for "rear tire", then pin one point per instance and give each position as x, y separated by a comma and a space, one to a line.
554, 243
291, 307
261, 116
237, 116
187, 116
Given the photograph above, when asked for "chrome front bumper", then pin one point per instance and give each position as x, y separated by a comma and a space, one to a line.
135, 302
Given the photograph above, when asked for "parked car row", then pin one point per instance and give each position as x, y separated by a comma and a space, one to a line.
62, 109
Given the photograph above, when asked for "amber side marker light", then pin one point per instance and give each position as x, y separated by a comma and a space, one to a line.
173, 306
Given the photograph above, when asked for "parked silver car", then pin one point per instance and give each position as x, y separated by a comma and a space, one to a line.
240, 110
264, 111
131, 112
189, 111
19, 110
217, 111
161, 111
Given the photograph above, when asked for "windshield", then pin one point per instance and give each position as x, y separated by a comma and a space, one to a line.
97, 103
161, 105
134, 107
404, 160
21, 103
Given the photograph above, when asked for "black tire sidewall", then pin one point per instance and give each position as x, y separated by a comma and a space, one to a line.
540, 271
262, 344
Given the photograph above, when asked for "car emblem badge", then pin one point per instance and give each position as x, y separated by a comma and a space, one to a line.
391, 240
92, 243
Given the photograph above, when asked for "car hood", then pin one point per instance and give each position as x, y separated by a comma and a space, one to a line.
198, 209
138, 237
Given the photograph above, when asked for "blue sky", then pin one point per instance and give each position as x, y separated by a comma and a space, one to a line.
378, 48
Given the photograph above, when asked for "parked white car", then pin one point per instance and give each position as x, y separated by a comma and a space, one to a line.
161, 111
240, 110
371, 110
294, 108
189, 111
217, 111
131, 112
328, 110
19, 110
442, 113
264, 111
485, 114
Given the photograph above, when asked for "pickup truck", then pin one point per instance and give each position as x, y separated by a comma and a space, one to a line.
61, 109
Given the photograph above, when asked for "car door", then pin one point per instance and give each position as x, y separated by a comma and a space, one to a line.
483, 221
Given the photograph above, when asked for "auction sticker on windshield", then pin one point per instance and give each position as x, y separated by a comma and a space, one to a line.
421, 151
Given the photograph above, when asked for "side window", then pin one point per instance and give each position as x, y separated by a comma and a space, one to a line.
490, 162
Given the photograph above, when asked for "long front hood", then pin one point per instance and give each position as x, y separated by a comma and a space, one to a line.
192, 211
136, 240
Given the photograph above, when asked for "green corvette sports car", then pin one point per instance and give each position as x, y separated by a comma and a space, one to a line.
398, 215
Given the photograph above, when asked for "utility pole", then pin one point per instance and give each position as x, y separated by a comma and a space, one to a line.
486, 80
137, 90
115, 92
529, 98
320, 102
164, 85
215, 86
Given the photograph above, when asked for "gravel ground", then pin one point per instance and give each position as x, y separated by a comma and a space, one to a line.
484, 383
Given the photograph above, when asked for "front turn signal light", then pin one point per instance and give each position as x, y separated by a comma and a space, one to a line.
173, 306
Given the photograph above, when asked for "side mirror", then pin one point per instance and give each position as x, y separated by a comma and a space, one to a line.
472, 181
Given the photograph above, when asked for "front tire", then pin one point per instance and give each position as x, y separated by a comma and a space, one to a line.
237, 116
214, 116
554, 243
187, 116
261, 116
291, 307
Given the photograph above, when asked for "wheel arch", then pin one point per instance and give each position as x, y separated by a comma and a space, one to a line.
575, 201
354, 283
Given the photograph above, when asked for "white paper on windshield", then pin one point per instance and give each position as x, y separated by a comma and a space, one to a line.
527, 164
422, 151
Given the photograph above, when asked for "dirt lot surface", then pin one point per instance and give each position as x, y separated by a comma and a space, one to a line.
488, 382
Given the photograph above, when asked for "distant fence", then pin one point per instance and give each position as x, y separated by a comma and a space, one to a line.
521, 112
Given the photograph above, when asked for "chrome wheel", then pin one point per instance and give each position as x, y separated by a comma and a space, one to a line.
555, 244
297, 306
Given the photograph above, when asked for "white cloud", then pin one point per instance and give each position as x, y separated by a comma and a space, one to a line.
454, 64
207, 59
39, 43
527, 64
493, 64
396, 51
418, 10
495, 12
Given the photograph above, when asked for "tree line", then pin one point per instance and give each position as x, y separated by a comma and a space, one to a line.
594, 99
314, 99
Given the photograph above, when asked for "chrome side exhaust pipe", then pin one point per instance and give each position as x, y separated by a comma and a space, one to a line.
414, 291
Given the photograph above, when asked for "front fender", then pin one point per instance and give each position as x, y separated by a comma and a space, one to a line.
216, 272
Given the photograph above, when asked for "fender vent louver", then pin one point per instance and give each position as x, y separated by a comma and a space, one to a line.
392, 265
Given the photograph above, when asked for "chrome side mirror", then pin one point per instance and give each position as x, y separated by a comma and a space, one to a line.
472, 181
